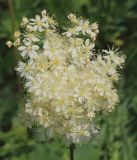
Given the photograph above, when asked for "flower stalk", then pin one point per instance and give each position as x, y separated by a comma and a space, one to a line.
11, 10
71, 148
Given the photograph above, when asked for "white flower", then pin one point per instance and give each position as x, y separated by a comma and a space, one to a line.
17, 34
80, 133
94, 26
84, 27
31, 37
24, 21
113, 57
20, 67
39, 23
17, 42
72, 18
28, 108
44, 13
29, 50
9, 44
29, 28
70, 32
88, 46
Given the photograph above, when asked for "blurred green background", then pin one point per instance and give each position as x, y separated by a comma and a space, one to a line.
118, 25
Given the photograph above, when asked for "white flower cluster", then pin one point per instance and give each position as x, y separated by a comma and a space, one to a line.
67, 83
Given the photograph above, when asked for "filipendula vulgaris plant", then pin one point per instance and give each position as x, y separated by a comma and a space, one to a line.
67, 82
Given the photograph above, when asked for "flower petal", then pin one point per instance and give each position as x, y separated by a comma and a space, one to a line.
21, 48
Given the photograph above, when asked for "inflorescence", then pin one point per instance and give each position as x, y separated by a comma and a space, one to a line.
67, 81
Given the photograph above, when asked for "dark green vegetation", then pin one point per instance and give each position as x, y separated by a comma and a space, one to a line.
118, 26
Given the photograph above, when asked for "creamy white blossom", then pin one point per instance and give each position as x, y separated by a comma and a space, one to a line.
24, 21
67, 81
30, 37
9, 44
39, 23
84, 27
28, 50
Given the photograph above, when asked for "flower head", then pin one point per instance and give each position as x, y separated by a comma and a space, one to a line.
66, 80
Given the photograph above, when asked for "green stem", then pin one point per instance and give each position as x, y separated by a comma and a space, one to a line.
11, 10
71, 148
13, 21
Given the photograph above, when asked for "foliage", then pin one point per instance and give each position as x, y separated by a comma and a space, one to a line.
119, 134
